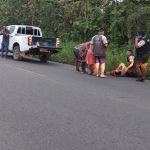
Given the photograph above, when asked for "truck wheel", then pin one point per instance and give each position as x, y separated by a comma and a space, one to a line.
16, 53
44, 58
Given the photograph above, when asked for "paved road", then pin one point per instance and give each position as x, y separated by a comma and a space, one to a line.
50, 107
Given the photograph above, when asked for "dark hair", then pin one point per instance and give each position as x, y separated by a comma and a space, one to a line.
141, 33
99, 29
129, 50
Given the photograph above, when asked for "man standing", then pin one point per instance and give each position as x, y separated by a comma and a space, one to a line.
142, 45
5, 41
99, 45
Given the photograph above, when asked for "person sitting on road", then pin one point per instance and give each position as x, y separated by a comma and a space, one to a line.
122, 69
80, 52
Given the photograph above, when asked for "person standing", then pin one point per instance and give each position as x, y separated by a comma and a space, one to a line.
90, 60
142, 45
5, 41
99, 45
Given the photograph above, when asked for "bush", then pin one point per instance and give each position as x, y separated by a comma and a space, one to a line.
66, 54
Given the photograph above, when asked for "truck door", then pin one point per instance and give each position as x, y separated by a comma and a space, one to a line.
11, 36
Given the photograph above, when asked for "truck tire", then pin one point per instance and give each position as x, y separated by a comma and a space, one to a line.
16, 53
44, 58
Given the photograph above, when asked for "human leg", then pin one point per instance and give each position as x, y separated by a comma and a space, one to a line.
3, 49
97, 65
6, 49
143, 68
103, 70
83, 65
76, 54
103, 66
121, 66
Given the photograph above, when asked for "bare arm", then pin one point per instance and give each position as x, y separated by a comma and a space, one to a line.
136, 42
129, 66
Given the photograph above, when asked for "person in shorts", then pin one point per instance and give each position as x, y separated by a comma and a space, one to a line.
99, 45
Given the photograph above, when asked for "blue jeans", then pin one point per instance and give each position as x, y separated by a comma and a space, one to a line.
5, 48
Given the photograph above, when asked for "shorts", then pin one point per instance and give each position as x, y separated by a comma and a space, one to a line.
100, 59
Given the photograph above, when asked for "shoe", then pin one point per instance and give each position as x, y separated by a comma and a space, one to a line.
140, 80
84, 72
103, 76
77, 70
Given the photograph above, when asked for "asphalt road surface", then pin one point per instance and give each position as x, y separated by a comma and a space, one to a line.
51, 107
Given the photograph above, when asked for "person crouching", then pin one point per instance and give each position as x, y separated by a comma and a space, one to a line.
80, 52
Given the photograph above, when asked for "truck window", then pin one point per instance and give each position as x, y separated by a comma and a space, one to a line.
29, 30
23, 31
39, 33
35, 31
19, 30
11, 30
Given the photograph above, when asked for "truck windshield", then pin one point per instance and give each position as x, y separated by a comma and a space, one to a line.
11, 30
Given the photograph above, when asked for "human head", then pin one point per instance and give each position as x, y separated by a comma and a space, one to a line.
101, 31
129, 52
141, 34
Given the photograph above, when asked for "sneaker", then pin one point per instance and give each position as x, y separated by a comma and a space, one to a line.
140, 80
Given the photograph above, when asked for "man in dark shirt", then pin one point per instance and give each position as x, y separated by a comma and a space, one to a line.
142, 45
5, 41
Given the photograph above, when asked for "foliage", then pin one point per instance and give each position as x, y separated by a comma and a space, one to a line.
77, 20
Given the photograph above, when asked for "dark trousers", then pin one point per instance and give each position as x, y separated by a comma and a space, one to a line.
139, 69
4, 48
79, 61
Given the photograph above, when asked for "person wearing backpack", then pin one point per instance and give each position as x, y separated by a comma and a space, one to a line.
142, 45
99, 45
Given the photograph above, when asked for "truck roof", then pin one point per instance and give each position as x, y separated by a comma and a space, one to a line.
24, 26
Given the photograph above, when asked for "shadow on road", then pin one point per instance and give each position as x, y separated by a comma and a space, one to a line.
33, 61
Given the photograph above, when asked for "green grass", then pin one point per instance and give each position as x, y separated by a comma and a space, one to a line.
114, 56
66, 54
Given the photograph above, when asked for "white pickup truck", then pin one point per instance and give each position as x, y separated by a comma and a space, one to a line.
28, 40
